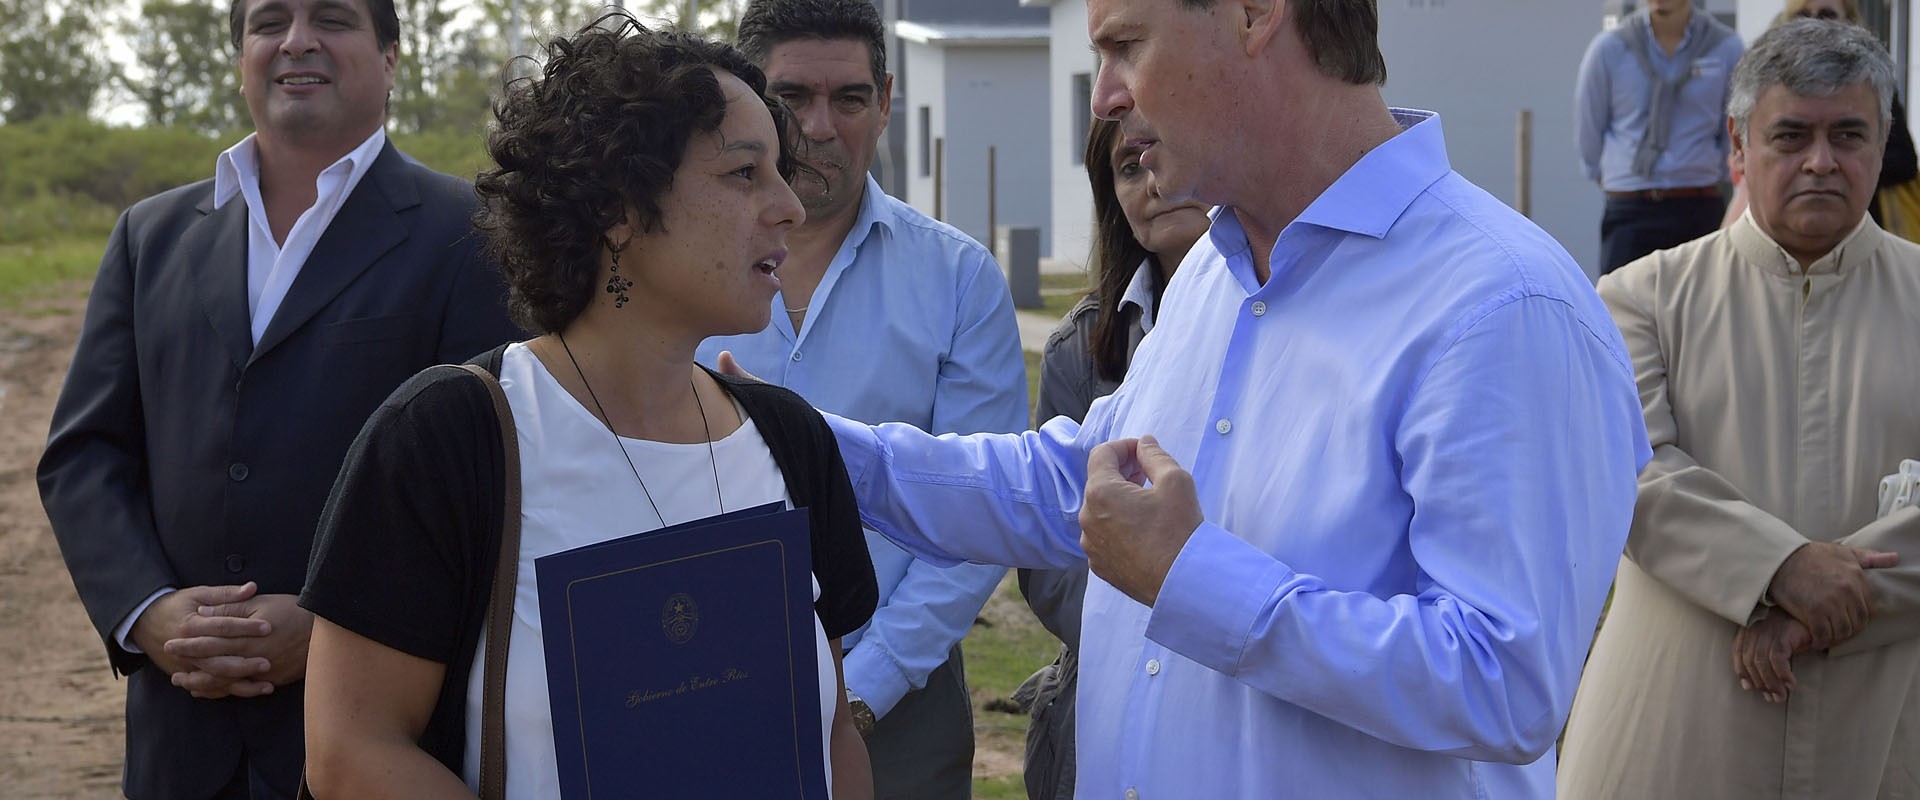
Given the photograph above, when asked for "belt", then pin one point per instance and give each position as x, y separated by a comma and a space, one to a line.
1657, 195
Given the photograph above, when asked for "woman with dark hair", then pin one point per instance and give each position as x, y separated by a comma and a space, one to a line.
1139, 238
639, 205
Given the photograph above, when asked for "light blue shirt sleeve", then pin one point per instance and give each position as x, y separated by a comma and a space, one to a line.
1515, 534
1019, 494
1592, 107
981, 387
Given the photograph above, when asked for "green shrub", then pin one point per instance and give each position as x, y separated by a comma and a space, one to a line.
49, 217
70, 177
462, 153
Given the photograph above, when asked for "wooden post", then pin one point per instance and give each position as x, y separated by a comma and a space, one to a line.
993, 194
939, 178
1523, 164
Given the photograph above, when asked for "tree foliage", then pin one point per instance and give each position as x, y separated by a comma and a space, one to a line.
48, 67
182, 71
176, 66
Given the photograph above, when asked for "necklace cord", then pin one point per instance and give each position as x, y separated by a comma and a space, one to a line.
608, 421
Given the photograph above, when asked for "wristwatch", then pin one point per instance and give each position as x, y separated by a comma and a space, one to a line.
863, 718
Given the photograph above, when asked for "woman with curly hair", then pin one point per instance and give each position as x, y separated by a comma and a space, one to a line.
639, 205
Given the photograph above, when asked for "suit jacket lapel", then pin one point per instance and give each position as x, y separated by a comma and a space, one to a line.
367, 226
219, 268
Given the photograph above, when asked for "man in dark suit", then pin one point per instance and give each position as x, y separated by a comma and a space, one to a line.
240, 331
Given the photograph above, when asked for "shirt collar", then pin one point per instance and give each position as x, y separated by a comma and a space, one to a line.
239, 166
1378, 188
873, 211
1852, 253
1139, 292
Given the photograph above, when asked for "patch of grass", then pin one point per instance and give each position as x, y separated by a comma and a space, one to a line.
1005, 647
33, 270
1033, 379
1063, 281
1008, 646
1010, 787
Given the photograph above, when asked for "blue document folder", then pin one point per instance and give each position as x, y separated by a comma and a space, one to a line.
681, 661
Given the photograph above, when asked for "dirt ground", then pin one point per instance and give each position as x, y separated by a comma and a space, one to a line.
61, 731
60, 724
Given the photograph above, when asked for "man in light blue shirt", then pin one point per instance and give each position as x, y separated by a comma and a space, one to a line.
1412, 431
1648, 109
884, 315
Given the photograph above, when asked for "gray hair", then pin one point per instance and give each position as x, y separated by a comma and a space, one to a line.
1812, 58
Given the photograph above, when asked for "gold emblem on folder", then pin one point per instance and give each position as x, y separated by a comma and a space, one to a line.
680, 618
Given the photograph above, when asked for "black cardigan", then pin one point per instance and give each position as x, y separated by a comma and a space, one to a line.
407, 544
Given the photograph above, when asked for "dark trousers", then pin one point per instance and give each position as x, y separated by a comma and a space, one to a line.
248, 784
923, 748
1635, 226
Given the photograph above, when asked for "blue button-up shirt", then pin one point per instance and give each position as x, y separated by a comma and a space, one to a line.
912, 323
1415, 449
1612, 99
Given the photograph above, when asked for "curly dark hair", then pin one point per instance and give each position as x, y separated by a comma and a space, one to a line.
601, 129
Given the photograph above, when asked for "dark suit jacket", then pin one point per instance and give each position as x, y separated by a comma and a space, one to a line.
181, 454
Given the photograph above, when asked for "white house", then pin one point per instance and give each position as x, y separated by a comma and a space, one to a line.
1070, 68
975, 86
1477, 62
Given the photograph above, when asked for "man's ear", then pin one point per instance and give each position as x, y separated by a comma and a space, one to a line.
1736, 140
886, 101
1261, 21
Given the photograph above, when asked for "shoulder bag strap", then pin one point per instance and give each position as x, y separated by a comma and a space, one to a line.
506, 573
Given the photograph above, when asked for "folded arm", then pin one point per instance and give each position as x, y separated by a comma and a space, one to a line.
1895, 589
1692, 529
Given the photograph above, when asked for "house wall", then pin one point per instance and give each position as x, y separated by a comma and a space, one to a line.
1479, 63
1072, 200
925, 111
986, 96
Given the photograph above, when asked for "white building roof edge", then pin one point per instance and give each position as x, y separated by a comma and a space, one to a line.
969, 35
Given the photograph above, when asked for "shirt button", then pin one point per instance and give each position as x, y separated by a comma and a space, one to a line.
237, 471
1223, 426
796, 355
1153, 666
236, 563
1133, 794
1259, 308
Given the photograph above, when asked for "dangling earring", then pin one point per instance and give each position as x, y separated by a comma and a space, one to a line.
616, 284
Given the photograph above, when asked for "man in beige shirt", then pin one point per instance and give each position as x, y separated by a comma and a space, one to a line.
1764, 638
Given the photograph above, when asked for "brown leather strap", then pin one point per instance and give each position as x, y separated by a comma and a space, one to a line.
506, 574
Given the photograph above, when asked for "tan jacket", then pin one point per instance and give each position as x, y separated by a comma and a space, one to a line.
1775, 399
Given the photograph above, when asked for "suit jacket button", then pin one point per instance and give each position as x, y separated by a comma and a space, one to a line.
236, 563
237, 471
